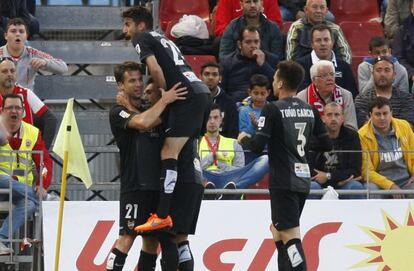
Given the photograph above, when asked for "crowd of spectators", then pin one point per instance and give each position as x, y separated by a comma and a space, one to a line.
252, 41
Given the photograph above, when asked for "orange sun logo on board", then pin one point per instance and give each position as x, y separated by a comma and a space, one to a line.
393, 247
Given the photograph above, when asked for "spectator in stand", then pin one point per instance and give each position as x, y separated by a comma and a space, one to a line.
270, 36
379, 46
397, 12
341, 170
384, 75
323, 90
387, 143
243, 63
10, 9
28, 59
222, 158
299, 38
249, 114
210, 75
292, 10
322, 45
34, 108
403, 44
227, 10
31, 6
19, 175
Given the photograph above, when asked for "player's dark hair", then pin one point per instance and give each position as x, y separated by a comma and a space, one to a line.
17, 21
258, 80
119, 71
139, 14
215, 106
379, 102
383, 58
210, 64
248, 28
291, 73
320, 28
12, 96
378, 42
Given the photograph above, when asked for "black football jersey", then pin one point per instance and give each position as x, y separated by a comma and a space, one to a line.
288, 125
139, 152
168, 56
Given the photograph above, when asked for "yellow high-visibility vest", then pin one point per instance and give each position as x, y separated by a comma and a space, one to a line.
225, 152
20, 164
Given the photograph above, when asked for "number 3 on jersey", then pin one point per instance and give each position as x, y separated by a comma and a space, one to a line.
301, 126
176, 54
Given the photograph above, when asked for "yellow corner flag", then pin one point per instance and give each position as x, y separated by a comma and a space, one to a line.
68, 139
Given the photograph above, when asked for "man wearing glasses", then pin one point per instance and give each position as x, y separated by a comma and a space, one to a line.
35, 110
16, 168
323, 90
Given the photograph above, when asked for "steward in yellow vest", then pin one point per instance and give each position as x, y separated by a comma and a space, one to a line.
20, 164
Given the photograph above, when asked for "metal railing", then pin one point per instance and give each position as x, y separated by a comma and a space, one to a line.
24, 239
100, 186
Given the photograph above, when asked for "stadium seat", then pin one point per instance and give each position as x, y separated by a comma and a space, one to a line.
175, 9
170, 25
167, 31
286, 26
196, 61
355, 10
262, 184
359, 34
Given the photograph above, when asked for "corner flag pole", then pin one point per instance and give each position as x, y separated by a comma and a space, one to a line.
62, 192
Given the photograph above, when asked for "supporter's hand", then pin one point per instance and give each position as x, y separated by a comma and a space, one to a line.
253, 119
174, 94
37, 63
396, 196
410, 181
351, 178
242, 135
320, 177
300, 14
260, 56
41, 192
4, 134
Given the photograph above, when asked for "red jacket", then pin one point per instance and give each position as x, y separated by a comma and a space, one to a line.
227, 10
15, 142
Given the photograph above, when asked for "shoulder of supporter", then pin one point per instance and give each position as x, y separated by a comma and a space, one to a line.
302, 94
298, 25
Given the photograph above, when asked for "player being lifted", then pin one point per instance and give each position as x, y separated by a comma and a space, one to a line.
167, 67
287, 126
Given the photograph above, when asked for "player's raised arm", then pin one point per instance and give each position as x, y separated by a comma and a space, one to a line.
156, 72
151, 117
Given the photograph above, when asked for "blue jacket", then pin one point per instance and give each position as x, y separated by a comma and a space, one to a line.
403, 45
237, 70
270, 38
